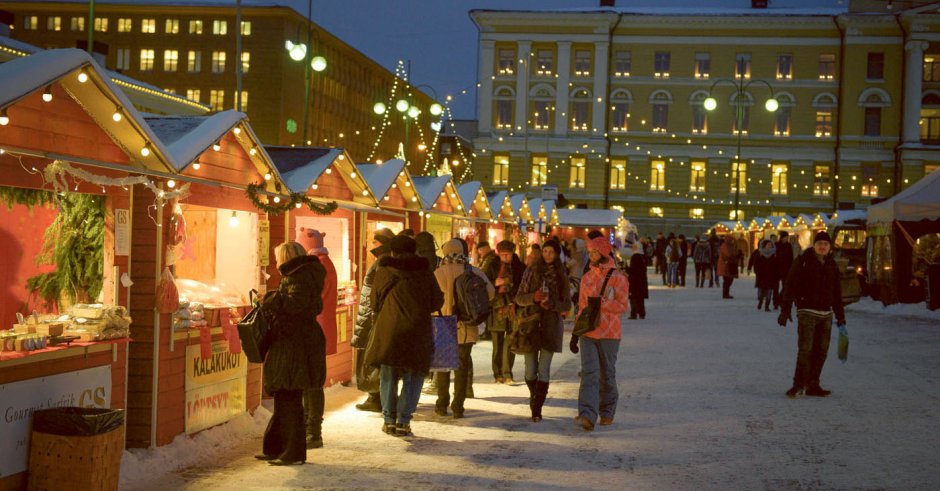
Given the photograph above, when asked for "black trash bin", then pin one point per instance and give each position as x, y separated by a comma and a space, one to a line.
76, 448
933, 286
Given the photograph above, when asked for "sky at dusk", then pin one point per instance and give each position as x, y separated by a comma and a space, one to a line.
440, 39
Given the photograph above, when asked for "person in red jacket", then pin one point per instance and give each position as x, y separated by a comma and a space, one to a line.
598, 392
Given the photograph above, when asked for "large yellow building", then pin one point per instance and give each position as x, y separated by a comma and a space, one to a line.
189, 48
609, 104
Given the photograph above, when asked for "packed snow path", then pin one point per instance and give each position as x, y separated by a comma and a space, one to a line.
702, 406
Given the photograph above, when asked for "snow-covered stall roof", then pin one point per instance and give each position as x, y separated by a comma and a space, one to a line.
549, 206
520, 206
842, 217
535, 208
431, 188
99, 97
780, 221
921, 201
470, 193
300, 167
498, 200
188, 137
381, 177
588, 218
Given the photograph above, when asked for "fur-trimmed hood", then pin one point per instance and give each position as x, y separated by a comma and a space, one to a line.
295, 264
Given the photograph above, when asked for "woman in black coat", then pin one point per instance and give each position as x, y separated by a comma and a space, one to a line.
544, 289
296, 359
639, 287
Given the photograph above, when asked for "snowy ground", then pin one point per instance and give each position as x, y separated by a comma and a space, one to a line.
701, 385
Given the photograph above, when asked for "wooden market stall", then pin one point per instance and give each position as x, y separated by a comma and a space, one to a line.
522, 216
473, 227
399, 205
440, 205
503, 225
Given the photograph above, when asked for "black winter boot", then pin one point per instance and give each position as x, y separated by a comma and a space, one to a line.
313, 415
532, 395
541, 392
373, 403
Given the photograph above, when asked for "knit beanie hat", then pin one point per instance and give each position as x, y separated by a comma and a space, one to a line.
553, 244
822, 236
402, 244
601, 244
383, 235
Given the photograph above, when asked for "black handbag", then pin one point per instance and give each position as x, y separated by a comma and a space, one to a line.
591, 315
524, 336
255, 331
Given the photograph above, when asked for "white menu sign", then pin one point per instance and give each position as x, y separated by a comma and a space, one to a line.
122, 232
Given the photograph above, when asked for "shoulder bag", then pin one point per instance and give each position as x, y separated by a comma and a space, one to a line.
591, 315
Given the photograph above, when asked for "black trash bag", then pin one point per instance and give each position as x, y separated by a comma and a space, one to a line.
77, 421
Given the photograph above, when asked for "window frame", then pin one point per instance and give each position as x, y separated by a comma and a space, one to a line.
657, 175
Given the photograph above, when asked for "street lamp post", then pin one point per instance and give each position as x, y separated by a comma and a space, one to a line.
304, 52
740, 90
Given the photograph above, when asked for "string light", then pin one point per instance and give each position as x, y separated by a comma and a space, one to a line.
47, 94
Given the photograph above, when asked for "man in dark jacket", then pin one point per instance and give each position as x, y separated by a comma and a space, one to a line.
683, 259
367, 379
784, 256
488, 262
404, 295
507, 277
715, 244
639, 289
813, 283
659, 254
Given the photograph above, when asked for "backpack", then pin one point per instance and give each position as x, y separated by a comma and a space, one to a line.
473, 303
673, 254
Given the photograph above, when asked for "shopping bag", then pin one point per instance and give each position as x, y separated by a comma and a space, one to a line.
444, 333
525, 331
843, 344
255, 333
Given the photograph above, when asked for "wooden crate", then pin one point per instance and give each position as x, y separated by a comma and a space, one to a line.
76, 462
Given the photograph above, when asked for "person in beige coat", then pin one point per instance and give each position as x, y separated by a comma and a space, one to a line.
453, 265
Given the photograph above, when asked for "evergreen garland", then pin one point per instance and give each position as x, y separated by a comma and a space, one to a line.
74, 243
26, 197
252, 191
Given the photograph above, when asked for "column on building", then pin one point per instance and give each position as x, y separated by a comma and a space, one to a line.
599, 115
485, 91
913, 86
561, 88
522, 85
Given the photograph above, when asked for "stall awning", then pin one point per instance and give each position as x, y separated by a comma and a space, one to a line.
588, 218
383, 177
304, 169
921, 201
432, 189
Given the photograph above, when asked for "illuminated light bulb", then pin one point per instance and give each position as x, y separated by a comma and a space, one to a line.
314, 187
386, 198
297, 51
710, 104
237, 130
197, 165
171, 184
413, 112
233, 221
217, 146
267, 176
297, 205
252, 151
407, 184
365, 192
341, 157
378, 108
436, 109
82, 76
414, 198
47, 94
277, 199
116, 116
145, 151
4, 118
402, 105
420, 213
378, 162
352, 175
436, 126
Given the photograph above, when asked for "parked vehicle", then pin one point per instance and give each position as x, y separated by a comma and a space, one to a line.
848, 231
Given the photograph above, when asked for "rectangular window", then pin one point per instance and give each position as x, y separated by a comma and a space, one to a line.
736, 216
101, 24
246, 31
697, 183
217, 99
658, 175
827, 67
193, 94
246, 61
740, 125
578, 173
618, 174
823, 124
931, 69
501, 170
703, 65
146, 60
742, 65
172, 26
580, 115
541, 118
784, 67
870, 171
125, 24
504, 114
619, 114
656, 212
506, 62
778, 179
782, 121
54, 23
821, 185
220, 27
218, 61
148, 26
739, 172
170, 60
539, 174
545, 62
195, 27
582, 63
194, 61
123, 59
697, 213
660, 117
622, 63
244, 97
872, 121
929, 127
31, 22
876, 66
661, 65
78, 23
699, 120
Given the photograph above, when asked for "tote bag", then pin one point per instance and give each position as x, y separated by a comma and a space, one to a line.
444, 333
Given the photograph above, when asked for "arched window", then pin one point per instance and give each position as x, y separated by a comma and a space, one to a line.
580, 109
824, 103
699, 114
620, 100
873, 100
786, 101
504, 98
660, 101
741, 102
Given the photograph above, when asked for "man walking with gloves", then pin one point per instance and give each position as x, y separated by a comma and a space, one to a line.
813, 283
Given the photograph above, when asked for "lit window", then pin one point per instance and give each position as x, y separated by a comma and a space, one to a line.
697, 181
656, 212
931, 69
146, 60
661, 65
54, 23
193, 94
539, 174
506, 62
503, 105
778, 179
697, 213
218, 61
582, 63
622, 63
658, 175
195, 27
148, 26
31, 22
742, 66
545, 63
246, 30
172, 26
170, 60
821, 181
870, 171
618, 174
194, 61
123, 59
703, 65
740, 125
736, 216
246, 61
782, 121
78, 23
500, 170
541, 118
823, 123
217, 99
739, 170
101, 24
580, 110
125, 24
619, 116
827, 67
220, 27
244, 96
784, 67
578, 173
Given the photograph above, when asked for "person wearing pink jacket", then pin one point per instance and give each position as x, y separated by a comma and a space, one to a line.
598, 395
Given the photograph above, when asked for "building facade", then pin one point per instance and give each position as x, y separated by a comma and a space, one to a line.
610, 106
190, 49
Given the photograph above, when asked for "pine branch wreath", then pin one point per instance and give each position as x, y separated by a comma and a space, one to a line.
252, 190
